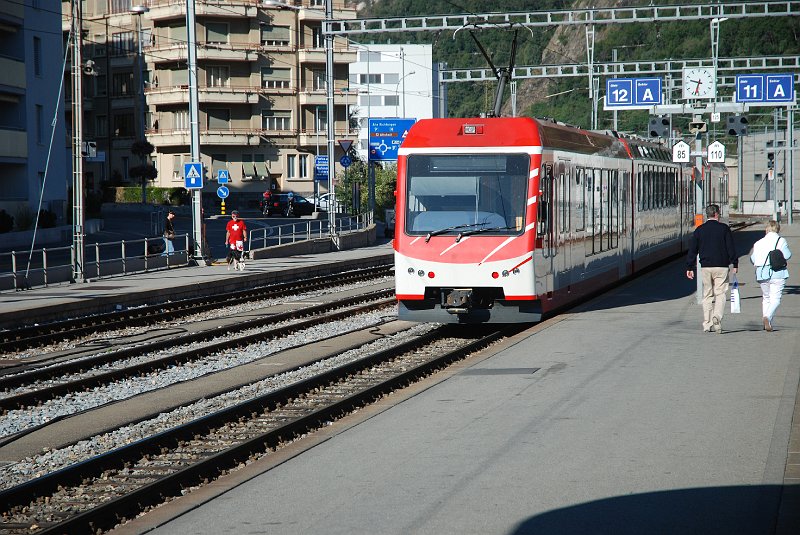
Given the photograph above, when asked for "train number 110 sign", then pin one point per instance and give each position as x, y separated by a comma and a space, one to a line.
716, 153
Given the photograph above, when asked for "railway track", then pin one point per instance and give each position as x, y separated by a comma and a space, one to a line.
95, 494
33, 336
97, 370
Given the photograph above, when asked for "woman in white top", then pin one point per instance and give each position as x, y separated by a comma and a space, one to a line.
772, 282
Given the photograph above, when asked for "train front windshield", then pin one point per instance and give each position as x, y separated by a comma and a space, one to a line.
466, 194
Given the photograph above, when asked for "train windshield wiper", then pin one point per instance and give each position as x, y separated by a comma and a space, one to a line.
480, 230
448, 229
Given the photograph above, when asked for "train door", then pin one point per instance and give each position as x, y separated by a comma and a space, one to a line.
625, 218
578, 222
563, 223
545, 233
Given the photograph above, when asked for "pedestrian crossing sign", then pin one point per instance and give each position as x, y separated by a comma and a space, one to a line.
193, 175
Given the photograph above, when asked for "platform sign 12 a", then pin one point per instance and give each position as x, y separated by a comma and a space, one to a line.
632, 93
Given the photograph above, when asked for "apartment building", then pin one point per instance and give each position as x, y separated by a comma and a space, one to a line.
30, 67
261, 87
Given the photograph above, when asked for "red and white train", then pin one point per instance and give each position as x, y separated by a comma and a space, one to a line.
503, 220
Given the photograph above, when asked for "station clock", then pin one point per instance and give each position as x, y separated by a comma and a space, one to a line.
699, 82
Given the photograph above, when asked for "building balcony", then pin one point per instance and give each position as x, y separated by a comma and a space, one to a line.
166, 95
317, 55
312, 138
12, 73
176, 9
312, 98
181, 137
172, 52
13, 143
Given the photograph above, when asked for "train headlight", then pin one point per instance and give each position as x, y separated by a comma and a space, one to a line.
495, 274
505, 273
421, 273
516, 271
410, 271
431, 275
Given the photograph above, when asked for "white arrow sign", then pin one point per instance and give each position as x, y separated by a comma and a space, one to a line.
716, 153
681, 152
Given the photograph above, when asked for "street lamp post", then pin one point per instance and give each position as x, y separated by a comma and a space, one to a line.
139, 101
396, 87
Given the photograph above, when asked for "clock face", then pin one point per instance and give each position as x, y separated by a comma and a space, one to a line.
699, 82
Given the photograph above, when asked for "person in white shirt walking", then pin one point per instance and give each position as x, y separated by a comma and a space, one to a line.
772, 281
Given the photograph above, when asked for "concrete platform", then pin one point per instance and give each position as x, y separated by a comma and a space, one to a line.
621, 416
65, 300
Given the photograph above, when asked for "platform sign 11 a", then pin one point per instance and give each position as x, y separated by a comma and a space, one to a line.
765, 89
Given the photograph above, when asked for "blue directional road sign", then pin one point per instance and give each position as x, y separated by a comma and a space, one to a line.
765, 89
386, 136
321, 168
223, 192
632, 93
193, 175
223, 177
345, 161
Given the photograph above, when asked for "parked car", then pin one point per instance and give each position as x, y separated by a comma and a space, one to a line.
279, 204
325, 201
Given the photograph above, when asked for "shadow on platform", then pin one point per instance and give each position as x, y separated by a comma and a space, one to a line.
715, 510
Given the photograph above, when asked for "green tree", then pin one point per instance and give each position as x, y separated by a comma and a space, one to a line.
356, 179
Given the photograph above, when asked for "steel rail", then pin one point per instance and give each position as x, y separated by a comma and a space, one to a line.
382, 297
38, 335
107, 514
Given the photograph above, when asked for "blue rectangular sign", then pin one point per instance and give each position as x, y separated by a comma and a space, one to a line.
632, 93
386, 136
321, 168
765, 89
223, 177
193, 175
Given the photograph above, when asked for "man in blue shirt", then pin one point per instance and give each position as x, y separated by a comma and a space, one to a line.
713, 242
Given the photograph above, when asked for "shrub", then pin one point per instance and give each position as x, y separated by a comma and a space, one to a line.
47, 219
6, 221
24, 218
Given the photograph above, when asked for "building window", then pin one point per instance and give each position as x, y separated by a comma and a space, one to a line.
275, 35
101, 125
319, 80
391, 100
391, 78
122, 43
216, 32
291, 160
276, 120
39, 123
179, 77
276, 78
126, 166
37, 56
120, 6
123, 125
317, 41
181, 119
369, 78
369, 100
100, 82
99, 46
122, 84
367, 56
218, 76
218, 119
303, 166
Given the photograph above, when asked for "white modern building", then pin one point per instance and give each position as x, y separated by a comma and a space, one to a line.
392, 80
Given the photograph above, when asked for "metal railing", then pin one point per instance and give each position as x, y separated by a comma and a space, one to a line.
313, 229
20, 270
